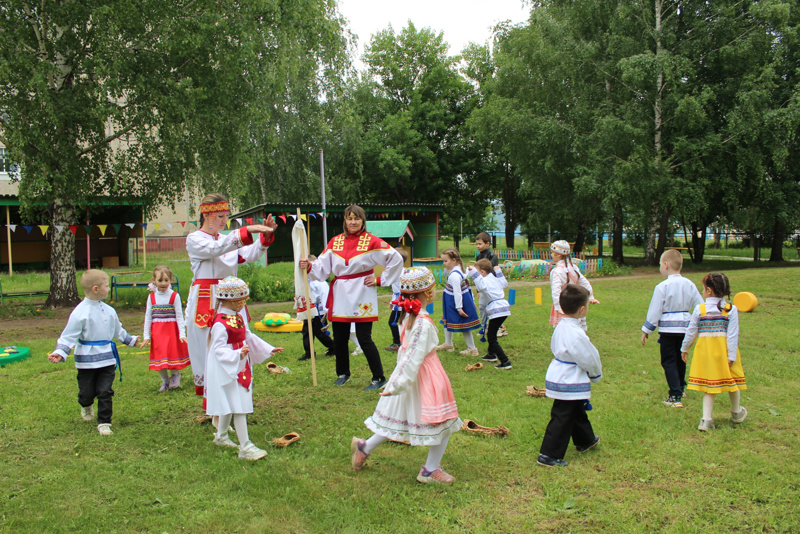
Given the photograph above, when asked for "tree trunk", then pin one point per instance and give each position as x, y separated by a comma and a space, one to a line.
510, 202
63, 286
776, 254
650, 237
755, 241
616, 230
664, 241
580, 239
456, 240
698, 240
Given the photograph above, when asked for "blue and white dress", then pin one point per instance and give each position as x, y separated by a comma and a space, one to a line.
457, 296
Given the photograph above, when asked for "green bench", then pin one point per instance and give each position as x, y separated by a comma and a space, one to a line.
20, 294
117, 284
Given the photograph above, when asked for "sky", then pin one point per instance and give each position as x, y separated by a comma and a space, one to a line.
462, 21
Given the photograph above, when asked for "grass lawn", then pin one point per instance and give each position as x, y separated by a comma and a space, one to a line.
652, 471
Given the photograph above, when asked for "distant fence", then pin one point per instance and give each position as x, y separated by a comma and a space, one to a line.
539, 270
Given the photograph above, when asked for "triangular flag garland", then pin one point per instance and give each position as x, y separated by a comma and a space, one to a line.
249, 221
183, 223
144, 225
158, 226
88, 228
13, 227
130, 225
44, 228
116, 227
59, 227
28, 228
193, 222
73, 228
169, 225
102, 228
283, 218
228, 224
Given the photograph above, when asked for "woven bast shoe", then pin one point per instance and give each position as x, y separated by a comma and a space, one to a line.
437, 476
533, 391
272, 367
357, 455
286, 440
474, 367
474, 428
445, 347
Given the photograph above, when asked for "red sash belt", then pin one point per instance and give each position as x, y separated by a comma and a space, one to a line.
203, 314
344, 277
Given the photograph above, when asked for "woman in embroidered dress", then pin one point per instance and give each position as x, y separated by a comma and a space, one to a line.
458, 307
213, 257
353, 298
716, 362
164, 325
417, 406
565, 272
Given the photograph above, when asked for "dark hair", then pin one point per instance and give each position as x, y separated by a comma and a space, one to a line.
572, 298
483, 236
484, 265
359, 212
211, 198
719, 285
454, 255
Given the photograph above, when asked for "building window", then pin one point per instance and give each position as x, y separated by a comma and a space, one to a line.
4, 163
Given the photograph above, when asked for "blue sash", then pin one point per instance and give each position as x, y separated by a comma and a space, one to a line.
113, 350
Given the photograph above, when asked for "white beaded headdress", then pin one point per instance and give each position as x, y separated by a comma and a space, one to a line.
560, 247
232, 288
416, 280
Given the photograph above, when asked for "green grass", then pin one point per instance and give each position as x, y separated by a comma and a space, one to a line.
652, 472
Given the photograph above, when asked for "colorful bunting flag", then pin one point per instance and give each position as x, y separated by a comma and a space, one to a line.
28, 228
144, 225
183, 223
249, 220
88, 228
283, 218
158, 226
130, 225
102, 228
44, 228
73, 228
59, 227
116, 227
193, 222
13, 227
169, 225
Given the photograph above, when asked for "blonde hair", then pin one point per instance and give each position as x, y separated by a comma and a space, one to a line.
91, 278
211, 198
163, 269
454, 255
674, 258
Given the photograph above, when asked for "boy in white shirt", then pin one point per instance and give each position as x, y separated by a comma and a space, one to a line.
576, 364
92, 326
670, 310
319, 296
494, 308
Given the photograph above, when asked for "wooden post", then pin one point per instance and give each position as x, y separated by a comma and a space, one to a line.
304, 254
144, 244
8, 233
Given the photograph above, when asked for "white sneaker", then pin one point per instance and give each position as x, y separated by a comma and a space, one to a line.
250, 452
357, 352
87, 413
470, 352
705, 425
224, 441
741, 416
104, 429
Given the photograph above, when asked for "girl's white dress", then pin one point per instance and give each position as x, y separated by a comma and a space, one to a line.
224, 393
421, 409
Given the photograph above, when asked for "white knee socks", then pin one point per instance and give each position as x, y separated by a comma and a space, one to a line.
708, 406
223, 423
164, 375
448, 338
240, 424
735, 398
435, 454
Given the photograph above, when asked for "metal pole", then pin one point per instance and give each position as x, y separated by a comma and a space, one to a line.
8, 233
144, 244
322, 185
88, 250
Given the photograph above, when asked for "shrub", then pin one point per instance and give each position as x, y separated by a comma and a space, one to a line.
266, 285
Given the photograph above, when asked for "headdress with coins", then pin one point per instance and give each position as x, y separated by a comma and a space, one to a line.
232, 288
560, 247
416, 280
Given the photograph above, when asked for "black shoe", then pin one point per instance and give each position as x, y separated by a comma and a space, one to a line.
503, 365
550, 462
375, 384
342, 380
304, 357
489, 358
590, 446
330, 352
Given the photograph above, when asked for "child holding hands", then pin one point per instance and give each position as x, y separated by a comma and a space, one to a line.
163, 320
458, 306
576, 364
493, 306
417, 405
229, 373
91, 328
670, 310
565, 272
716, 362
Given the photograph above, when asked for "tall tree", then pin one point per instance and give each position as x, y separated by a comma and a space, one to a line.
139, 99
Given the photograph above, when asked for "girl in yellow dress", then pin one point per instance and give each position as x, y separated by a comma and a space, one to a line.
716, 362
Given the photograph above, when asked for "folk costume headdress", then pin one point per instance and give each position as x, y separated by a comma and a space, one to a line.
560, 247
214, 207
414, 280
232, 288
